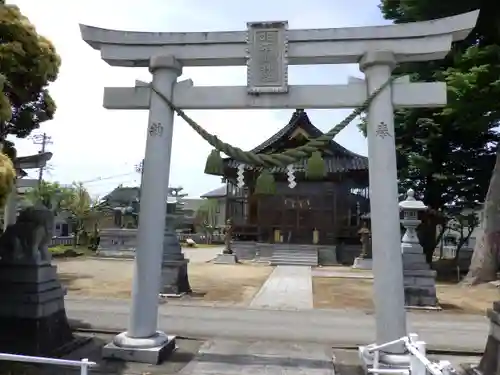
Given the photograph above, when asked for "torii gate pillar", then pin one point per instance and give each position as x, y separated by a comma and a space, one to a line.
148, 344
388, 297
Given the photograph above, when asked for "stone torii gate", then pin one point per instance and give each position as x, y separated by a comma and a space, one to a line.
267, 48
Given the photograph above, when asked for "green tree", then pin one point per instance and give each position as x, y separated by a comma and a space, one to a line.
83, 210
51, 194
448, 154
28, 62
206, 217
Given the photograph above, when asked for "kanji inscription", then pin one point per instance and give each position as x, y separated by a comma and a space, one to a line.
267, 69
382, 131
156, 129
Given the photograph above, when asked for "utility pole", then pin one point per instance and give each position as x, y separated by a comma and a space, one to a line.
43, 140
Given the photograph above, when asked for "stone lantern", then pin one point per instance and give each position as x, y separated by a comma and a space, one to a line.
419, 279
227, 256
411, 207
364, 261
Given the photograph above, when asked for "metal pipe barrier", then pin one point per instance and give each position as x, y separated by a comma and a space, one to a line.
84, 364
419, 363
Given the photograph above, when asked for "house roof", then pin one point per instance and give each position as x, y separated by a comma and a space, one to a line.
216, 193
337, 158
122, 195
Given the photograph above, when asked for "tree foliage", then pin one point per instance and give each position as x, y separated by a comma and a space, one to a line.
28, 62
206, 217
51, 194
74, 201
448, 153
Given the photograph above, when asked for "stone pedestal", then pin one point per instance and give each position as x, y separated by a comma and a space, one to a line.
174, 272
419, 279
32, 316
226, 259
490, 362
117, 242
174, 277
362, 263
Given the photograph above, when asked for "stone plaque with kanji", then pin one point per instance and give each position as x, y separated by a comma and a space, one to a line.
267, 65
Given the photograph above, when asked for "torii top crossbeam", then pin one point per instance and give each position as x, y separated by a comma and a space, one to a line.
417, 41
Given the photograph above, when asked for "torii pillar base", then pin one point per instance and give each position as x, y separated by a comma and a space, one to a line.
153, 350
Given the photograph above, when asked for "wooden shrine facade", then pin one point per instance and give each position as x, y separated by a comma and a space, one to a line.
313, 212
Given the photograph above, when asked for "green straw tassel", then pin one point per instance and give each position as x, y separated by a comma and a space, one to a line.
214, 164
265, 183
315, 169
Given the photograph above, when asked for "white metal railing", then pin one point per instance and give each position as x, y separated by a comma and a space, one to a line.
84, 364
419, 364
61, 240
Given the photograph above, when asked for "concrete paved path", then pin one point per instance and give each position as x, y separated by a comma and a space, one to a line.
342, 274
202, 254
287, 288
230, 357
332, 327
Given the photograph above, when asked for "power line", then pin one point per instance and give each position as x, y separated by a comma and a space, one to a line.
43, 140
98, 179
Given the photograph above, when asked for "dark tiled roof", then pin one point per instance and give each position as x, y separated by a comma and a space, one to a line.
341, 160
216, 193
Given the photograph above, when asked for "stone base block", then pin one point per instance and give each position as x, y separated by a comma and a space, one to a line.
153, 355
175, 280
363, 263
42, 336
387, 361
327, 256
226, 259
420, 288
32, 316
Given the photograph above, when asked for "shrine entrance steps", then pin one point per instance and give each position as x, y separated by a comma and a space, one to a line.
294, 255
284, 253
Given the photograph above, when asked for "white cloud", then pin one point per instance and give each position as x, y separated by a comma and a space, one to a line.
91, 142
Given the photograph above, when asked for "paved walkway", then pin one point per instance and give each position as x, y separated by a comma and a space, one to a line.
334, 327
287, 288
202, 254
230, 357
342, 273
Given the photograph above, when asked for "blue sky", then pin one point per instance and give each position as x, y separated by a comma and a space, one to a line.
100, 147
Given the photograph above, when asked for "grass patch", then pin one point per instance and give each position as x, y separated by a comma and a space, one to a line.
212, 283
342, 293
68, 251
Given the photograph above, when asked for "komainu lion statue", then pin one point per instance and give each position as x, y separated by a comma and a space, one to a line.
28, 240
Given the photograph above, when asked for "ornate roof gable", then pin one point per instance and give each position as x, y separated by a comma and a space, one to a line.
301, 124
